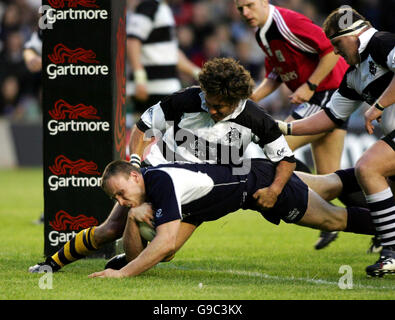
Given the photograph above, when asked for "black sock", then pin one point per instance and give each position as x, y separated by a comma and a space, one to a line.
351, 195
359, 221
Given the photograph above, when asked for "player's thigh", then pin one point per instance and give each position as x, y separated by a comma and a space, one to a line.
321, 215
378, 159
327, 151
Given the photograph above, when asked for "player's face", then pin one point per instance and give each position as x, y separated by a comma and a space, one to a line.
128, 191
217, 108
254, 12
347, 47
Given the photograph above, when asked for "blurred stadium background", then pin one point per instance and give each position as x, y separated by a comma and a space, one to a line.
205, 29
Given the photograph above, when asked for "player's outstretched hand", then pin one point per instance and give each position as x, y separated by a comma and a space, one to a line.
108, 273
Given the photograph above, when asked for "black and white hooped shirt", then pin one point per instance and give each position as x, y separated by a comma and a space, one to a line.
189, 134
367, 81
153, 23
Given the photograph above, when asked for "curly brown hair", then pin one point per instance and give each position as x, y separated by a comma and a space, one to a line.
226, 78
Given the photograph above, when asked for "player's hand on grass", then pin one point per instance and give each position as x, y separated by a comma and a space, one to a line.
108, 273
266, 198
143, 213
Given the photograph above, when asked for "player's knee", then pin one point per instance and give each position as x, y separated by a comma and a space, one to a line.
363, 169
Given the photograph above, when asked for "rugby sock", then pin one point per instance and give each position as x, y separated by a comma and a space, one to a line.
359, 221
382, 210
77, 248
351, 194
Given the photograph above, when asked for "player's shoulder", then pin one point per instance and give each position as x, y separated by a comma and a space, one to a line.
290, 16
147, 8
185, 100
253, 112
380, 45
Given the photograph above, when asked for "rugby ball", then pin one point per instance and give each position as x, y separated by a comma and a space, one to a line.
146, 231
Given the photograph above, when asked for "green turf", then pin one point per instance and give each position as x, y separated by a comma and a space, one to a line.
238, 257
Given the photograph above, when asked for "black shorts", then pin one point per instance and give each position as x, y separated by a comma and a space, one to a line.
316, 103
291, 204
390, 139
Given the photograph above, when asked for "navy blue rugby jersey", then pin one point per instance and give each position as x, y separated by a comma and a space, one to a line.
208, 192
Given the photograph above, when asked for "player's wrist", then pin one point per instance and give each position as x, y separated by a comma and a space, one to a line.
140, 76
285, 127
312, 86
135, 160
377, 105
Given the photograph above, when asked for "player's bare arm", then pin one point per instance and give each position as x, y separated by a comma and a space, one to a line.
375, 111
267, 197
162, 246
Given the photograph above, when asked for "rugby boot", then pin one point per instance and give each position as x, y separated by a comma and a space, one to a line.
384, 265
117, 262
375, 246
48, 264
325, 239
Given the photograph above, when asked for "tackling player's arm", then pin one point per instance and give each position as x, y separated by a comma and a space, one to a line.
317, 123
138, 142
277, 150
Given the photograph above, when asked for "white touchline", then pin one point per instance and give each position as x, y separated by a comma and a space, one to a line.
267, 276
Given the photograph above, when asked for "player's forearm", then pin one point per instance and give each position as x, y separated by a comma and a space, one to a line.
132, 243
138, 142
324, 67
162, 246
388, 96
284, 172
266, 87
186, 66
315, 124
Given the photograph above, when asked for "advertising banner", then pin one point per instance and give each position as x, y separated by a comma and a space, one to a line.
83, 112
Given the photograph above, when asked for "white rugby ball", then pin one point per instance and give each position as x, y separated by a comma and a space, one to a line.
146, 231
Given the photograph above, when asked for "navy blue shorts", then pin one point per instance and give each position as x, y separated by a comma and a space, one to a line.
316, 103
291, 204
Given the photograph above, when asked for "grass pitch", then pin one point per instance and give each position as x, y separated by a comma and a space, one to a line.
241, 257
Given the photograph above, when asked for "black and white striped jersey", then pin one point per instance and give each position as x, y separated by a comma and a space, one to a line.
188, 133
35, 42
367, 81
153, 23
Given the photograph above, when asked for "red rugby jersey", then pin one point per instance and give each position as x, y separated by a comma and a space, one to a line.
293, 45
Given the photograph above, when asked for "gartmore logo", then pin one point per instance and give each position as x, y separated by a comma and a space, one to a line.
65, 222
59, 10
72, 3
63, 111
64, 166
64, 55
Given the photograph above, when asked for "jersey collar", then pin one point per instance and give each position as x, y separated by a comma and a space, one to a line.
364, 39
